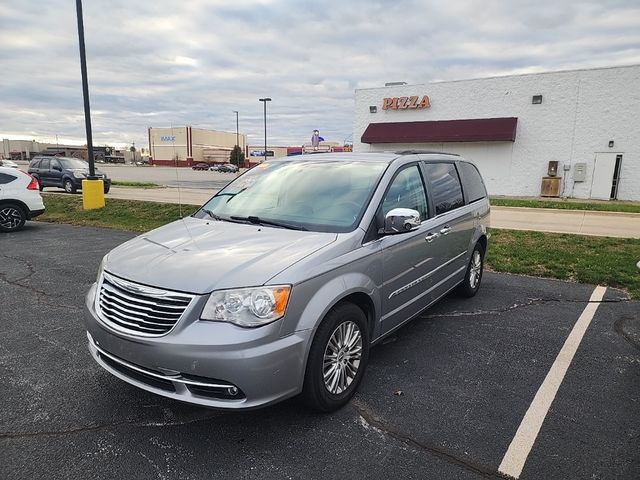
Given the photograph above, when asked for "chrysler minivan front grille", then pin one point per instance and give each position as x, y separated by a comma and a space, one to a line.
138, 309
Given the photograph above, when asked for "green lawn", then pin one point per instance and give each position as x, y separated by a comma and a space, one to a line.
123, 183
612, 206
121, 214
596, 260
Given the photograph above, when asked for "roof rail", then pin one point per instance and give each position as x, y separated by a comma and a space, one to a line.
414, 152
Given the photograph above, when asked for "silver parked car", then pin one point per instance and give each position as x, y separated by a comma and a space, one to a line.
282, 282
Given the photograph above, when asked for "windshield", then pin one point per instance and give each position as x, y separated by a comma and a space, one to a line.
73, 163
323, 196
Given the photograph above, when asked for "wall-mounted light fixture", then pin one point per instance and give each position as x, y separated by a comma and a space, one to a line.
611, 143
373, 109
536, 99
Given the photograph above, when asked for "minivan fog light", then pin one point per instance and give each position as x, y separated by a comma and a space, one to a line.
247, 307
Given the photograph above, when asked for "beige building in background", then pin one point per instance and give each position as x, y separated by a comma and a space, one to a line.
185, 146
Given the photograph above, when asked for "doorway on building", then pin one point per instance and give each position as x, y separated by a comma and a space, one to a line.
606, 176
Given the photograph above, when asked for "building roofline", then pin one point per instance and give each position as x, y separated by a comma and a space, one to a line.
493, 77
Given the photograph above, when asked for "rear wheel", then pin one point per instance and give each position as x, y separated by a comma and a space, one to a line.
471, 283
106, 188
68, 185
337, 359
12, 217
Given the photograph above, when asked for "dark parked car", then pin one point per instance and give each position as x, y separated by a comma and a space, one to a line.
225, 168
63, 172
200, 166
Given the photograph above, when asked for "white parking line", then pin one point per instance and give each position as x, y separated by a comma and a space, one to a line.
525, 437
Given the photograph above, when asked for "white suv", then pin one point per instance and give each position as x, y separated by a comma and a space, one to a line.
20, 199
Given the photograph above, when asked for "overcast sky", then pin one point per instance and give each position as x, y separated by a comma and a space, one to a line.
162, 63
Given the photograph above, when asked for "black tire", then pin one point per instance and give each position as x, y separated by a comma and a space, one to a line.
344, 317
68, 186
12, 217
107, 188
40, 186
473, 276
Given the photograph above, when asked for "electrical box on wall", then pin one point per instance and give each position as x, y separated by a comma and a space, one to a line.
579, 172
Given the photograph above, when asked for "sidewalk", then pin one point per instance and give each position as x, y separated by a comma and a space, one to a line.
583, 222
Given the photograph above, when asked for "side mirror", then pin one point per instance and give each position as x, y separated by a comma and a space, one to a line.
401, 220
57, 168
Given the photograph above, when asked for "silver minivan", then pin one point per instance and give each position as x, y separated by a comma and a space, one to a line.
281, 283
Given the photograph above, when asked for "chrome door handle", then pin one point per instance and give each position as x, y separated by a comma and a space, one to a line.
445, 230
431, 237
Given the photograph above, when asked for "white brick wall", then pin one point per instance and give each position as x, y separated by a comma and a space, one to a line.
581, 111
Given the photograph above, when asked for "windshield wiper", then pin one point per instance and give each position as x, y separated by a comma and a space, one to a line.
216, 217
260, 221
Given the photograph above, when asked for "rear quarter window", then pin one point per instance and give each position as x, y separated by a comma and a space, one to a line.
34, 163
6, 178
472, 183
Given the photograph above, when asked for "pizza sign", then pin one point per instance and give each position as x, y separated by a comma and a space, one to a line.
405, 103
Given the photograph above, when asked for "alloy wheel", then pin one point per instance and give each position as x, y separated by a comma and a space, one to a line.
10, 218
342, 356
476, 269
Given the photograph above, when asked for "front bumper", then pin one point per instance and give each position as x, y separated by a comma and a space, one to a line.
264, 367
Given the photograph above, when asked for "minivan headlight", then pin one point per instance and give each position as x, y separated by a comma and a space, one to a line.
247, 307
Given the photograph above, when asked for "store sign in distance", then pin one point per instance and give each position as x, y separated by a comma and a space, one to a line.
405, 103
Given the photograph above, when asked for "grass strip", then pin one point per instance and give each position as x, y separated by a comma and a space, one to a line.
580, 258
123, 183
612, 206
129, 215
596, 260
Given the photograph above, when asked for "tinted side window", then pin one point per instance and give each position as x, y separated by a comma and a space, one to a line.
406, 191
472, 182
55, 163
6, 178
44, 164
445, 186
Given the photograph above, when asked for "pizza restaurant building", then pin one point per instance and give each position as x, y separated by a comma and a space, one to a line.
556, 134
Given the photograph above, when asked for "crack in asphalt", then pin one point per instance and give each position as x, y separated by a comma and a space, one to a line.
367, 414
618, 327
106, 426
515, 306
39, 293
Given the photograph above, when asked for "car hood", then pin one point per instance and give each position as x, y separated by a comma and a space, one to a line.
86, 171
199, 256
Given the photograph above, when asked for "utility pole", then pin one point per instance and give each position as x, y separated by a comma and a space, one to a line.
264, 101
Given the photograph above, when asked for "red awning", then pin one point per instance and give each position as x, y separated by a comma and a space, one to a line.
471, 130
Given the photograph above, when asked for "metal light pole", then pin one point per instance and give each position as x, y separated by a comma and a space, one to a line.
92, 187
237, 131
85, 91
237, 140
264, 101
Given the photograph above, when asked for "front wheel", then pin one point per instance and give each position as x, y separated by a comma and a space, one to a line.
471, 283
69, 187
337, 359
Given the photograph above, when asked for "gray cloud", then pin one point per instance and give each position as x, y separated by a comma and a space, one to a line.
157, 63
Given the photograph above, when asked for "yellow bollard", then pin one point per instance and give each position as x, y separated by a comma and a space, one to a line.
92, 194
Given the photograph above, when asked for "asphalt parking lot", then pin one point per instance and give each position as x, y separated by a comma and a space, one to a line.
169, 176
442, 398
